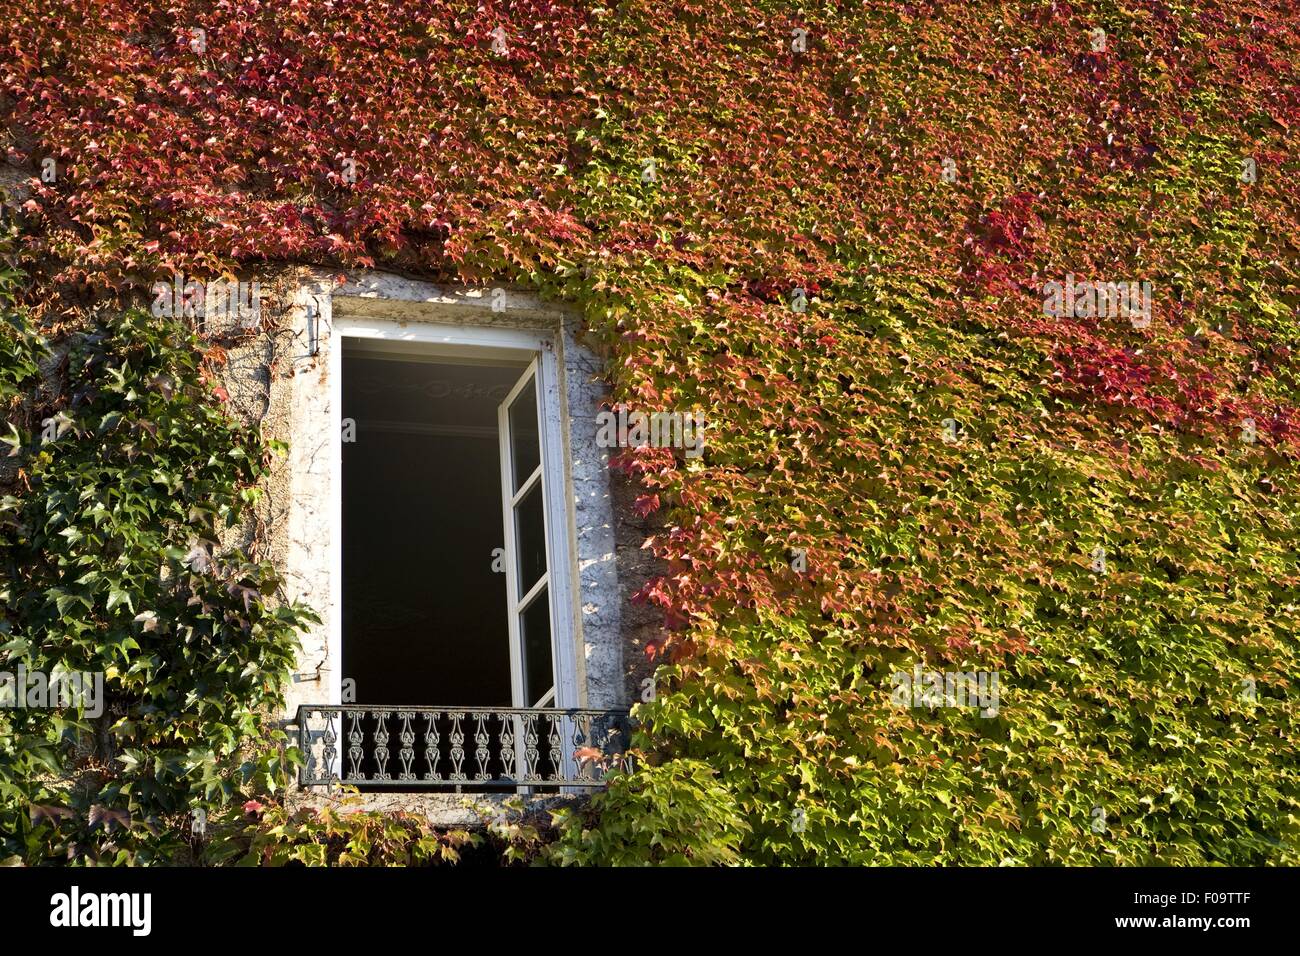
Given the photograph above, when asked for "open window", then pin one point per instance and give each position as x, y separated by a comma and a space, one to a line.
528, 580
453, 556
452, 632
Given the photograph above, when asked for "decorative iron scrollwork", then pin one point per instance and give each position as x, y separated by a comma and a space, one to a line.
513, 747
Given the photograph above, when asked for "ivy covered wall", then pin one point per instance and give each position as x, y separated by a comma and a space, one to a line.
831, 229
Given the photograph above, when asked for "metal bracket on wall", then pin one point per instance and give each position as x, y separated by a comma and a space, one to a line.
313, 326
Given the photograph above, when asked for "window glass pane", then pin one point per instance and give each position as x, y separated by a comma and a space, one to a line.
530, 539
535, 622
523, 434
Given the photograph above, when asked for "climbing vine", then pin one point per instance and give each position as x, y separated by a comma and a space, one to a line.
829, 229
113, 568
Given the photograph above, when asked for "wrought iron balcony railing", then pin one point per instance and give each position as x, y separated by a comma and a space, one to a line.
460, 748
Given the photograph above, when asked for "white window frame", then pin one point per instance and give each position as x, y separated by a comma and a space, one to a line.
510, 499
512, 345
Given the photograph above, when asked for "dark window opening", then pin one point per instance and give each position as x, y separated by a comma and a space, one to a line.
424, 613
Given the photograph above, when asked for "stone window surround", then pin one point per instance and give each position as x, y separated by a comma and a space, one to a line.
311, 564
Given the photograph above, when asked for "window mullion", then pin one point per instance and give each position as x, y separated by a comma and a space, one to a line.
527, 599
526, 486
